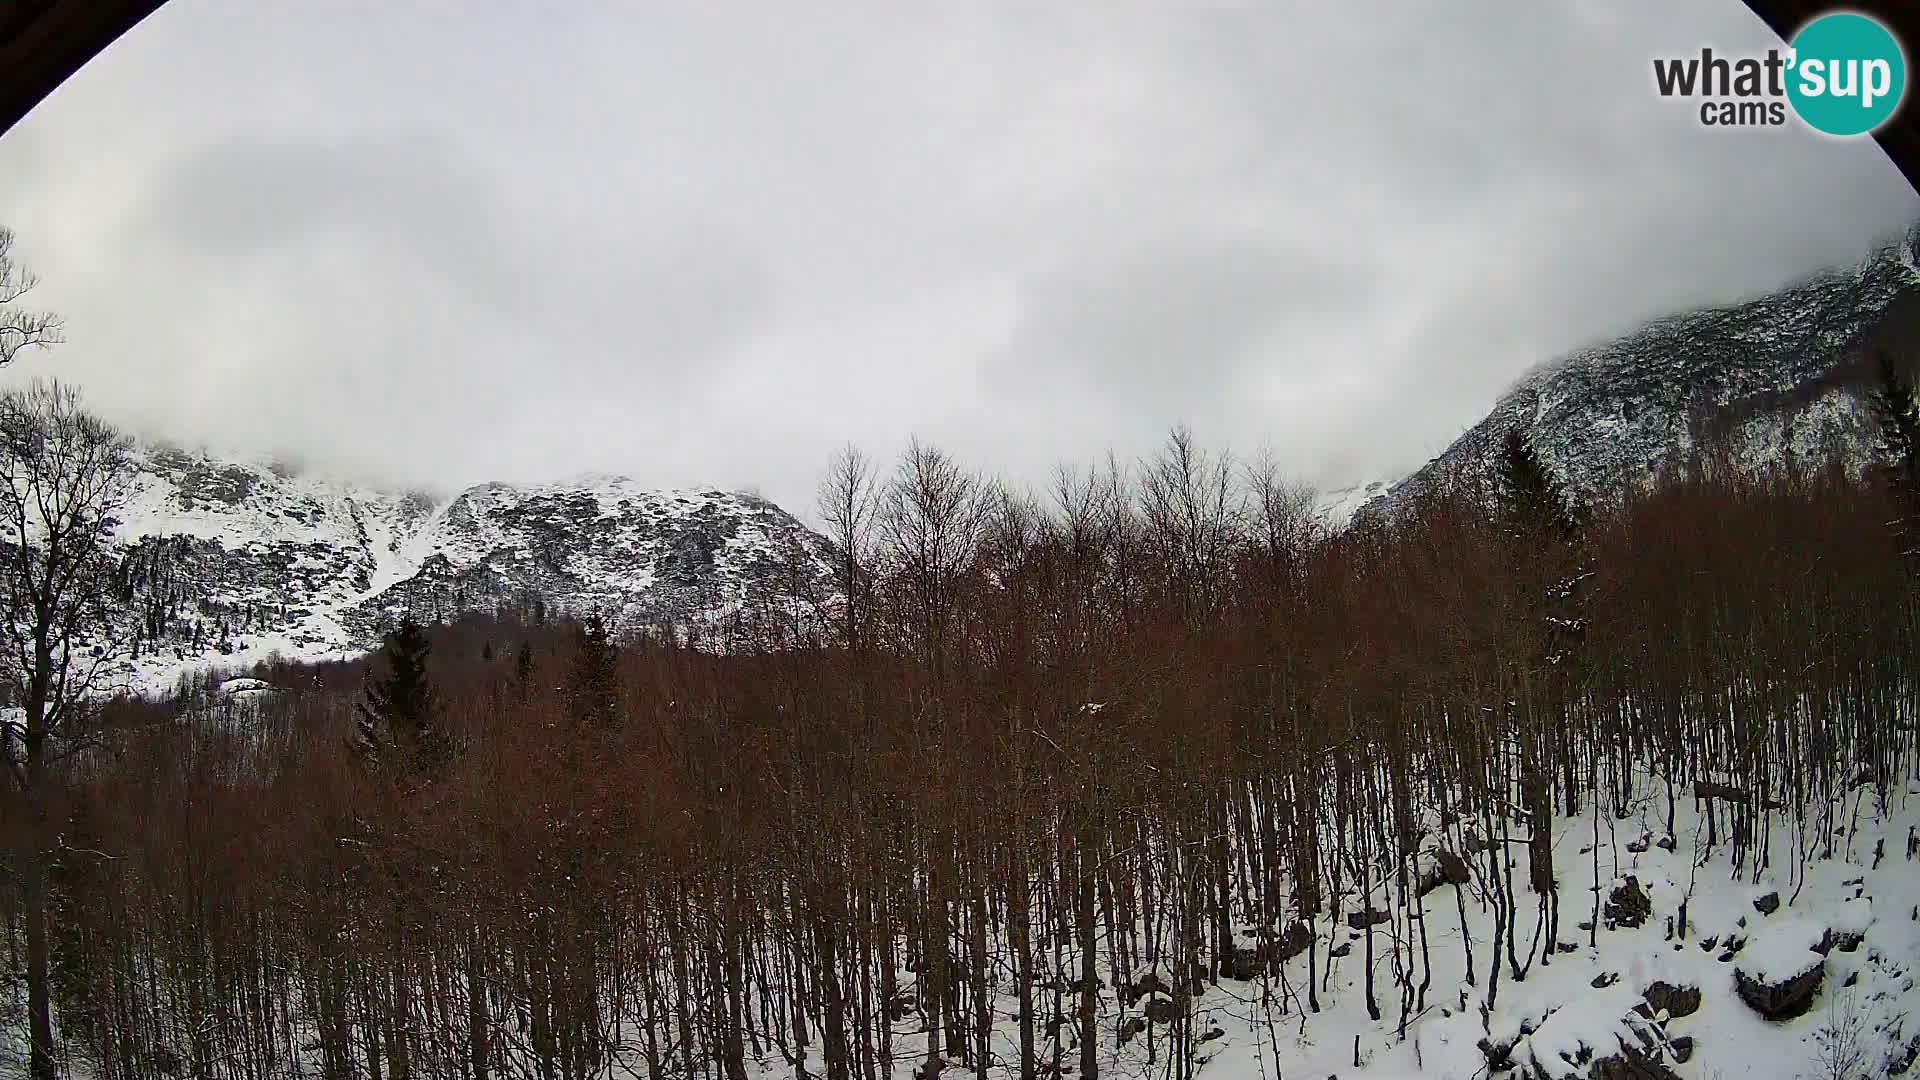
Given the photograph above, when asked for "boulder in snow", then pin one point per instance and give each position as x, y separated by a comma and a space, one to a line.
1848, 926
1241, 964
1673, 1000
1365, 917
1597, 1037
1781, 969
1628, 905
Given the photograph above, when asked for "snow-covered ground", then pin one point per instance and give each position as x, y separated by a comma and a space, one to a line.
1582, 1006
1855, 918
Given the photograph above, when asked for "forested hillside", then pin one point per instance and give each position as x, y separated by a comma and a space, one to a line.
1148, 774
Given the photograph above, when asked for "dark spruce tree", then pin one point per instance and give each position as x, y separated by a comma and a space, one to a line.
523, 670
1898, 411
1533, 503
595, 679
1541, 522
398, 722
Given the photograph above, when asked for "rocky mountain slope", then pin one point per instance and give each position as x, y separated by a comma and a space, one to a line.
233, 561
1778, 377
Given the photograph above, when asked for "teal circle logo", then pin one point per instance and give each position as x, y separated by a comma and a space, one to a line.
1847, 74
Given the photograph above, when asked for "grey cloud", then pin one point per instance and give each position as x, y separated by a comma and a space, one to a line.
708, 243
1163, 324
377, 300
410, 215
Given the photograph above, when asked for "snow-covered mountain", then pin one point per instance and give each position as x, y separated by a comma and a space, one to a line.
1780, 377
229, 561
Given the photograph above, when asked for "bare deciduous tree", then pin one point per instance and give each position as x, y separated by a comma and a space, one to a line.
21, 328
63, 475
848, 500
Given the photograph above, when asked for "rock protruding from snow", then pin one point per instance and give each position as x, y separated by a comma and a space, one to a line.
1675, 1001
1596, 1037
1848, 926
1242, 964
1366, 917
1781, 968
1628, 905
1450, 868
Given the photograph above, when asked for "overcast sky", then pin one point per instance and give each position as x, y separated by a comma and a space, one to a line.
707, 242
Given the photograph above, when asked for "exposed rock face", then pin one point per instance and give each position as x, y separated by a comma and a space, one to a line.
1360, 920
1598, 1037
230, 559
641, 557
1632, 1063
1676, 1001
1628, 905
1784, 999
1782, 967
1779, 377
1244, 963
1241, 964
1297, 939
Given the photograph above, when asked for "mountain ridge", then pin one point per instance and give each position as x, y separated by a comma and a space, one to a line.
1778, 377
227, 562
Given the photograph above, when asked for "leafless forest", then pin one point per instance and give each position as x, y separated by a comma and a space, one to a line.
1152, 728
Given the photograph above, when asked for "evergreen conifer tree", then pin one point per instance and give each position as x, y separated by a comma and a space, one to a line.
1541, 523
595, 683
398, 722
1533, 501
1895, 406
523, 670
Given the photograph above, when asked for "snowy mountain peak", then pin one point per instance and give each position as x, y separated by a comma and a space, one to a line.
231, 560
1778, 377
